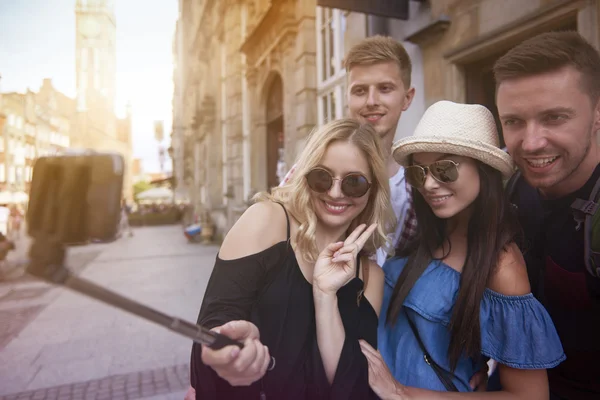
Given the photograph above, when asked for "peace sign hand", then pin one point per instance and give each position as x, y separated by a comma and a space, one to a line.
336, 265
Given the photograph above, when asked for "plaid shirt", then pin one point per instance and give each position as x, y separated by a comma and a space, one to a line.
409, 230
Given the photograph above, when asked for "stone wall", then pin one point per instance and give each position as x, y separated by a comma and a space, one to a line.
481, 29
228, 55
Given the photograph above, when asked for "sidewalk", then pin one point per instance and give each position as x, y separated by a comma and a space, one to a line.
77, 347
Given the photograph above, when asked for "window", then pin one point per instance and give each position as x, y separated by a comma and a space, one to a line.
331, 28
330, 105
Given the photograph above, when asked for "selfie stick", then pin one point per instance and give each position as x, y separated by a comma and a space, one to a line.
59, 201
47, 264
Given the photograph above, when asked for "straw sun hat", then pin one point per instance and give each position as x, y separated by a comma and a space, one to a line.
462, 129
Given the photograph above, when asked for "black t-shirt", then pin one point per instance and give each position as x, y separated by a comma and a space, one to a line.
554, 253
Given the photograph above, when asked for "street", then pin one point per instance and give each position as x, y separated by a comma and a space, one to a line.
58, 344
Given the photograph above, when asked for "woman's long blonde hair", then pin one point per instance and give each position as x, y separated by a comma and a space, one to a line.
296, 195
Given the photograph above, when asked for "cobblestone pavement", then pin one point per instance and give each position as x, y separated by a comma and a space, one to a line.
58, 344
24, 297
157, 383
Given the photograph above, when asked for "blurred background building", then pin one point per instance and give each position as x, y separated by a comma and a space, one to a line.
253, 77
35, 124
96, 124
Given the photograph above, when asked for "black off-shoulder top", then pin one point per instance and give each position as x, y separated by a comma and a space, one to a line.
269, 289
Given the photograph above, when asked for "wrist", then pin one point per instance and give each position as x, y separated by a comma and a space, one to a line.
399, 392
323, 295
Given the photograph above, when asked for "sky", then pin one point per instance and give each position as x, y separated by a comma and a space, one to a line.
37, 41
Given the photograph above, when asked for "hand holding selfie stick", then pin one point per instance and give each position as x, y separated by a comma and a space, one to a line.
59, 199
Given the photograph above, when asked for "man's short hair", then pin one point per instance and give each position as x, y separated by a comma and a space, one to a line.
549, 52
379, 49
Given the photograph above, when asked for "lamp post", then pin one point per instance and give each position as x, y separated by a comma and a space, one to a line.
159, 136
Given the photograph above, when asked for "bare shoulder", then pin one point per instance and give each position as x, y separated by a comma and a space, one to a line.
510, 277
374, 289
261, 226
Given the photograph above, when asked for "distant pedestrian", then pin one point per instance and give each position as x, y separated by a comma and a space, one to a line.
4, 219
124, 225
14, 222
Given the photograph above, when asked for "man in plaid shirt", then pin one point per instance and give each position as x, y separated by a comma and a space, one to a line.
379, 70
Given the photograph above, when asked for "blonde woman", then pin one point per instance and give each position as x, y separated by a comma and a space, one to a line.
293, 278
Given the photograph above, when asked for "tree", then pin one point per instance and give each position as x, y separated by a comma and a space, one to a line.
140, 187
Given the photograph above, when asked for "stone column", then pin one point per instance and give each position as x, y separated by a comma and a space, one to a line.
306, 75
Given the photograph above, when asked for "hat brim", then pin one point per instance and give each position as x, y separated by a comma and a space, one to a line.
490, 155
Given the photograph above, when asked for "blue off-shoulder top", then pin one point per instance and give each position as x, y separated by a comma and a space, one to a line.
515, 330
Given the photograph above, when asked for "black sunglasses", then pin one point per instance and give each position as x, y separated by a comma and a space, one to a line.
444, 171
353, 185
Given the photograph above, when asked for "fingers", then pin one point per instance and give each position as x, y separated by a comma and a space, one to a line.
355, 234
372, 355
343, 258
479, 381
266, 362
357, 239
259, 359
362, 239
331, 249
353, 243
247, 355
190, 394
247, 367
239, 330
221, 357
365, 346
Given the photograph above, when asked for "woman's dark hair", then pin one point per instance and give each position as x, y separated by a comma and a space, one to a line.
492, 227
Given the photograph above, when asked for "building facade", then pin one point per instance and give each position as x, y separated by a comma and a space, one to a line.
95, 125
245, 98
253, 77
37, 124
459, 40
34, 124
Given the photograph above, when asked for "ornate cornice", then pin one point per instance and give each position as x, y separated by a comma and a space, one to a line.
277, 24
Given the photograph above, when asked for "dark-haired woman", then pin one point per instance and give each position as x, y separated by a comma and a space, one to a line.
459, 295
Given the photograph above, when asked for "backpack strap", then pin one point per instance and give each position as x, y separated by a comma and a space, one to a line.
585, 212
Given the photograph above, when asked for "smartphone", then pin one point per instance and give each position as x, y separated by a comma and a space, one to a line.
76, 197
